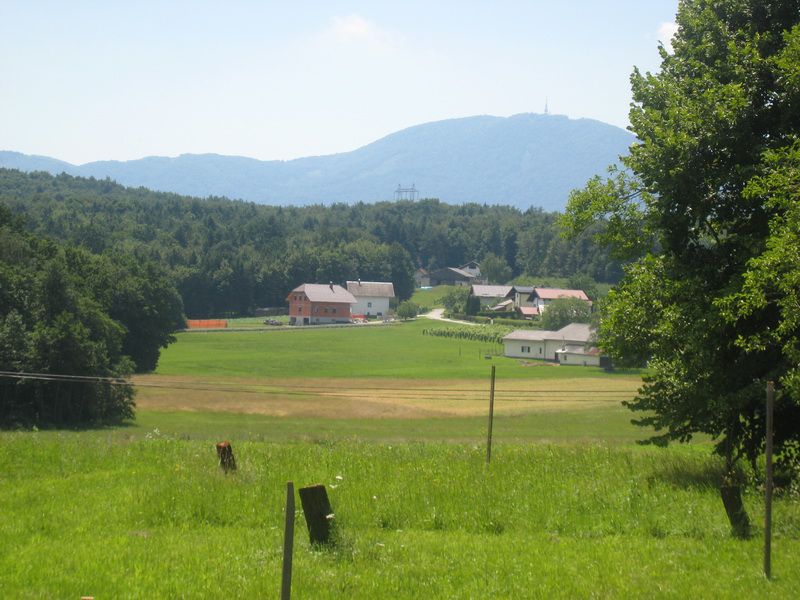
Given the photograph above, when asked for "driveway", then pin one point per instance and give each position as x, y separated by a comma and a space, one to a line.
436, 315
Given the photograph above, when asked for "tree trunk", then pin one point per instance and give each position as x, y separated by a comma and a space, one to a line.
737, 515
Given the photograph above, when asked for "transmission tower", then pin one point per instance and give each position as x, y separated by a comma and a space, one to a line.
402, 193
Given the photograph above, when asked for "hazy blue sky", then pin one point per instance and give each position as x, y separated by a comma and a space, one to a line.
84, 81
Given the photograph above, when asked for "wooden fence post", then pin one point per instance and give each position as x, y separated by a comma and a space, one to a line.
288, 543
768, 484
318, 512
491, 420
226, 459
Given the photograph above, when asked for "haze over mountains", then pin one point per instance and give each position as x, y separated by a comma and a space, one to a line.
524, 160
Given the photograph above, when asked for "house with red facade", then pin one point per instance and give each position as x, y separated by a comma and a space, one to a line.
318, 304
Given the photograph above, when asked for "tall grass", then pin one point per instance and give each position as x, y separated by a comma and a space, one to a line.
89, 514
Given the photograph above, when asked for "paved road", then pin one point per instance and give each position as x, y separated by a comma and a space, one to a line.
436, 315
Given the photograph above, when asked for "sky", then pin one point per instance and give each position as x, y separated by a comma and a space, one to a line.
84, 81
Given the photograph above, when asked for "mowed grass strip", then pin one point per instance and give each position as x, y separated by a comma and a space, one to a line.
609, 425
89, 514
341, 398
394, 352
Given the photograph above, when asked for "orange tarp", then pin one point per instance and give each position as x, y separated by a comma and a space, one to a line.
206, 323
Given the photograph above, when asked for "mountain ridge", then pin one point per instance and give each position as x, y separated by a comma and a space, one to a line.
526, 160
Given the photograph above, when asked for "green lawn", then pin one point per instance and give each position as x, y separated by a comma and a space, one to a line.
93, 514
255, 322
430, 298
398, 351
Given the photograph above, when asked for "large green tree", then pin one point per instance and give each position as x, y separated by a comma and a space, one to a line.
51, 325
698, 206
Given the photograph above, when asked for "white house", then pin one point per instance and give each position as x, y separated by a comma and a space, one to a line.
540, 297
578, 355
372, 297
546, 345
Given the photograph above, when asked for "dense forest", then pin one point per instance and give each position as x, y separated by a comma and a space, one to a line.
65, 311
228, 257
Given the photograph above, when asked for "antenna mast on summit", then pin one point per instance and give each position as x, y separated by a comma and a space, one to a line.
547, 112
402, 193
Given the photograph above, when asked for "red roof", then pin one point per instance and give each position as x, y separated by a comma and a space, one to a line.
529, 311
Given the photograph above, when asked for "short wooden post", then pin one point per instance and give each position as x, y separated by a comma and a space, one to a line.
318, 513
288, 543
768, 484
491, 420
226, 459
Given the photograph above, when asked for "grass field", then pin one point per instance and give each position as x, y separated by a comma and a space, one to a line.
430, 298
255, 322
398, 351
394, 423
90, 514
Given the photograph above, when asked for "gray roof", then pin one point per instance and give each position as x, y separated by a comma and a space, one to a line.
574, 332
522, 289
379, 289
461, 272
319, 292
490, 291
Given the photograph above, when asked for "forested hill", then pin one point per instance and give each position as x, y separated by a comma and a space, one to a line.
228, 257
527, 160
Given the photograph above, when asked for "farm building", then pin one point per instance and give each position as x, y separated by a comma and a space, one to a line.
578, 355
315, 303
451, 276
521, 295
545, 345
473, 268
422, 278
372, 297
490, 295
540, 297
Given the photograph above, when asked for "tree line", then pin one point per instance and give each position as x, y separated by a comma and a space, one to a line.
228, 257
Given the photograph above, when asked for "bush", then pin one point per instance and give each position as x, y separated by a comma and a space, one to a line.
407, 310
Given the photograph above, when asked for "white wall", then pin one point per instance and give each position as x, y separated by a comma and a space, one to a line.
584, 360
514, 349
380, 306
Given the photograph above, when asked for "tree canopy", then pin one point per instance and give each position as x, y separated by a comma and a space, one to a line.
228, 257
67, 312
563, 311
708, 207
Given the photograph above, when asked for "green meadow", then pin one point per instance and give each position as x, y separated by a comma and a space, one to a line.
93, 514
570, 505
395, 351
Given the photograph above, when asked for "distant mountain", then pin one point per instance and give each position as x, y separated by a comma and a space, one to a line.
524, 160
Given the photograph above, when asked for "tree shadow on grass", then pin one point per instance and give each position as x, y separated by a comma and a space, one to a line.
690, 473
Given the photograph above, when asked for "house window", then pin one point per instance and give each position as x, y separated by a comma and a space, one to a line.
316, 309
526, 349
326, 310
540, 349
333, 310
369, 304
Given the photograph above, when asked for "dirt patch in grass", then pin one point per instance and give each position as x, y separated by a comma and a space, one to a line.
376, 398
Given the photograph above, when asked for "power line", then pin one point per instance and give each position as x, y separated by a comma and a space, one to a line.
404, 393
